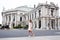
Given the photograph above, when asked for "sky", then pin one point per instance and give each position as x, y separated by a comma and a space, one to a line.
11, 4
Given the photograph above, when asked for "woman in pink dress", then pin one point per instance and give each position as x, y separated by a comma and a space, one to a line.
30, 28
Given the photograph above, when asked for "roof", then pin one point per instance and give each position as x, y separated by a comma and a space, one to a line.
21, 8
24, 8
51, 5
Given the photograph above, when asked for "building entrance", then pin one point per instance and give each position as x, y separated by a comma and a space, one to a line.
53, 24
39, 23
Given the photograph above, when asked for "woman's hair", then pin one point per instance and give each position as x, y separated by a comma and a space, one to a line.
30, 20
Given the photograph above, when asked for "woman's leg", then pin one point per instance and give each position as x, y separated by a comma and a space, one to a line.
29, 33
32, 34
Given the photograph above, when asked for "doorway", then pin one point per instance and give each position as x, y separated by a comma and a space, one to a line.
39, 23
53, 23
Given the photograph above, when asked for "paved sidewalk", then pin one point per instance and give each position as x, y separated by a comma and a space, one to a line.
33, 38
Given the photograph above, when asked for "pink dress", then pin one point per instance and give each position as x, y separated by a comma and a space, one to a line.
30, 26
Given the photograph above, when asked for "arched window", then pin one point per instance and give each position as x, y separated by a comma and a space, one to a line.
39, 12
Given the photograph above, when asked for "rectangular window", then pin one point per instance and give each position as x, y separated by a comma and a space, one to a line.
35, 14
39, 23
52, 11
39, 13
20, 18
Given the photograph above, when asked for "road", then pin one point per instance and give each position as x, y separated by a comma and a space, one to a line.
24, 33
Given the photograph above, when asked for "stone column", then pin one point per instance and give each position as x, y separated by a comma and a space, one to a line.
3, 20
23, 19
46, 22
18, 18
49, 23
29, 16
15, 19
55, 24
50, 27
43, 23
11, 22
59, 24
26, 17
7, 19
33, 25
37, 24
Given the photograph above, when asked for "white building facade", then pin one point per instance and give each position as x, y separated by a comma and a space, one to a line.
44, 16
